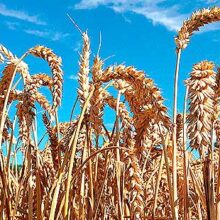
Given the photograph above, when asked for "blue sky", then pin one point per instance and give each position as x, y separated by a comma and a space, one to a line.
136, 32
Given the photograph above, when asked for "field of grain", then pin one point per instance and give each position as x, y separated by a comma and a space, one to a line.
149, 166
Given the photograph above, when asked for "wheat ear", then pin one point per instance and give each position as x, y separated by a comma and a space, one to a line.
55, 64
97, 104
197, 20
83, 74
202, 86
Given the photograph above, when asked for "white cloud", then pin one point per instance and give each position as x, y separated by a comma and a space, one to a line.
210, 1
166, 17
21, 15
37, 32
54, 36
35, 28
152, 10
157, 11
88, 4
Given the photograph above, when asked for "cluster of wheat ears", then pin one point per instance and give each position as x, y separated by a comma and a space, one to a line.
143, 168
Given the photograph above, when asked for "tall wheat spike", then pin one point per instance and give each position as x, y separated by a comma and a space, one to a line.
83, 74
202, 85
97, 104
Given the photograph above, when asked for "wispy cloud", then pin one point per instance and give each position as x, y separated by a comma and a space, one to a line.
211, 1
152, 10
37, 32
21, 15
38, 27
12, 25
54, 36
166, 17
157, 11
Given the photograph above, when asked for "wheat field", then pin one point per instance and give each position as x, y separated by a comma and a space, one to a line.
149, 166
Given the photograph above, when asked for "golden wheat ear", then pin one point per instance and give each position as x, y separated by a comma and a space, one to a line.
197, 20
53, 141
83, 75
145, 101
55, 64
202, 86
97, 103
179, 132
